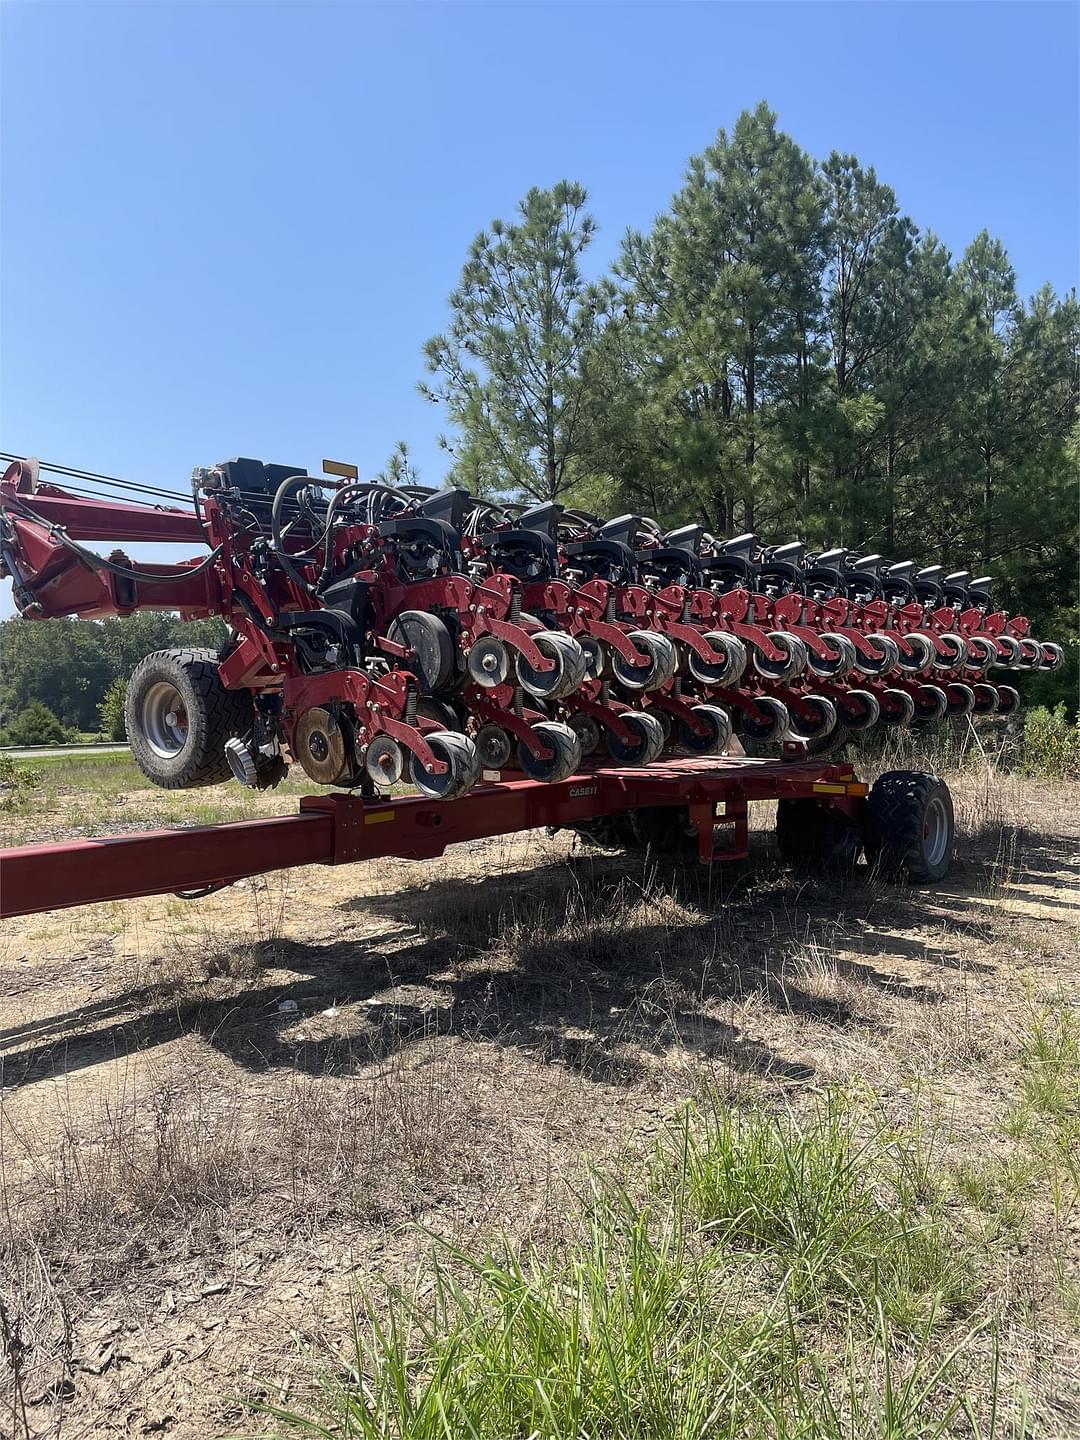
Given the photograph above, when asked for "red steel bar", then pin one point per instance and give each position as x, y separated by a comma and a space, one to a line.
339, 829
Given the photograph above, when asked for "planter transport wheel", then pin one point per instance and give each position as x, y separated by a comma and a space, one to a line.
565, 753
910, 828
179, 716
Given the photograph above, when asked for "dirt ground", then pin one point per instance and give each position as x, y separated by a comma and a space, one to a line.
220, 1118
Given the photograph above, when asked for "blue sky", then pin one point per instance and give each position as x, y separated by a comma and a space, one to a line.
229, 228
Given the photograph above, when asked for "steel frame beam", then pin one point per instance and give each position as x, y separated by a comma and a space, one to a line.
339, 829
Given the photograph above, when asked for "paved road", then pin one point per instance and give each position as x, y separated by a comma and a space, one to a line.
44, 752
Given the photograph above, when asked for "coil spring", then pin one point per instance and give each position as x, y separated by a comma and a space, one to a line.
515, 607
410, 705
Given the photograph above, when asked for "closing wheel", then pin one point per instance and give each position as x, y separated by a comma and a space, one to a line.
919, 654
428, 638
718, 726
384, 762
950, 652
1008, 700
897, 708
1008, 648
793, 663
488, 662
858, 710
882, 655
565, 754
812, 837
660, 668
647, 742
931, 704
726, 671
821, 720
494, 747
587, 731
771, 723
568, 673
462, 762
986, 698
838, 662
961, 700
982, 653
910, 828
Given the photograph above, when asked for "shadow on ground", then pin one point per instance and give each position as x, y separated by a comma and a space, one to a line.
594, 962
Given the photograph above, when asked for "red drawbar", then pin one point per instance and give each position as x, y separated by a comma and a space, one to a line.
336, 829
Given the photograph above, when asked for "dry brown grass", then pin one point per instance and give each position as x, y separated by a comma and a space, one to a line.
191, 1168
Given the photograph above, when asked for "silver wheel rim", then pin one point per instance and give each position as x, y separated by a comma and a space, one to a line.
164, 720
935, 832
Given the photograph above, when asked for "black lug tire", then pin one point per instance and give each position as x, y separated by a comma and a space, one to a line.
215, 715
903, 811
813, 838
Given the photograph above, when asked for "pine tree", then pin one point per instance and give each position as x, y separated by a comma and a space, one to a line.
513, 367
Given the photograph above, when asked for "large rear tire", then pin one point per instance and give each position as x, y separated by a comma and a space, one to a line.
910, 830
179, 716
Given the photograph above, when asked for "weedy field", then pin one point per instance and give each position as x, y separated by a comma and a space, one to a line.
536, 1140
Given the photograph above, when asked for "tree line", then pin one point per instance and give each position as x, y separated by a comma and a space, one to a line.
65, 668
786, 352
783, 351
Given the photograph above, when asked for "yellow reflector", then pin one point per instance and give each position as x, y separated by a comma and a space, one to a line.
850, 787
342, 468
378, 816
